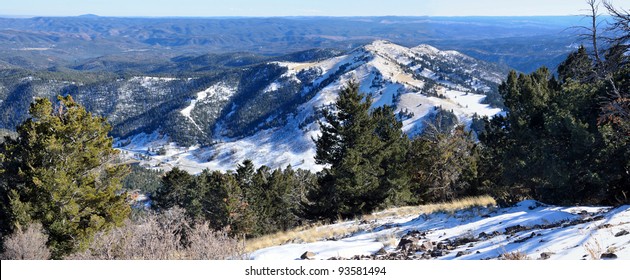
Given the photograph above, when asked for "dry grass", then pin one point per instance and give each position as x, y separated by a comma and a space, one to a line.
388, 240
452, 206
594, 249
514, 256
304, 234
319, 232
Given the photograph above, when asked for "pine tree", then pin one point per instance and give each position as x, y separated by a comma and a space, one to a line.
174, 190
548, 146
444, 164
578, 66
392, 155
354, 146
59, 172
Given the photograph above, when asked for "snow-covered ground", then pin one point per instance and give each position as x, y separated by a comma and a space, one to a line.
536, 230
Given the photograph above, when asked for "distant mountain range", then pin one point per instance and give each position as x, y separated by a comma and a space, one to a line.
523, 43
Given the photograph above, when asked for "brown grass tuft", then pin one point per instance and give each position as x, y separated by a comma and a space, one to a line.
317, 232
305, 234
452, 206
593, 248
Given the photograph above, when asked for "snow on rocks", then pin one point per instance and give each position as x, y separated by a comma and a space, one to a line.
529, 230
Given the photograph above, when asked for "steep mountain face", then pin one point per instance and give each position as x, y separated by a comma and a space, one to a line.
221, 109
270, 114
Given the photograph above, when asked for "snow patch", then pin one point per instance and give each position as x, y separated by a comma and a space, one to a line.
530, 227
220, 92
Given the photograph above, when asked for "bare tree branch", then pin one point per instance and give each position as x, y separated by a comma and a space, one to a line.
593, 10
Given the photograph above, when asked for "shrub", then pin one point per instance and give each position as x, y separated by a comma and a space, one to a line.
29, 244
166, 236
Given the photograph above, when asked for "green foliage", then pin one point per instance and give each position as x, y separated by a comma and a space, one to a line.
558, 142
614, 121
176, 190
578, 66
58, 172
225, 202
140, 178
444, 165
391, 157
248, 202
361, 150
274, 196
442, 121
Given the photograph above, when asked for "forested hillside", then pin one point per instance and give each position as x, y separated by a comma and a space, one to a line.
246, 147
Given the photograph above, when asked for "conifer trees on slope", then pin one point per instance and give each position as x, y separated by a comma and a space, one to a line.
563, 140
58, 172
363, 153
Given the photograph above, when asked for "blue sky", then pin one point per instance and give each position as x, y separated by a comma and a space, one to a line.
210, 8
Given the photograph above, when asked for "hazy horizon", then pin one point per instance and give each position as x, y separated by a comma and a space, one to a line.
287, 8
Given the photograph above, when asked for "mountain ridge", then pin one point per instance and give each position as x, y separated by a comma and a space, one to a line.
418, 82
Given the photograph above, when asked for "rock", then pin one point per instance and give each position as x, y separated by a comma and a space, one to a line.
462, 253
513, 229
426, 246
381, 252
295, 241
308, 256
545, 255
437, 253
417, 233
609, 256
622, 233
408, 243
521, 240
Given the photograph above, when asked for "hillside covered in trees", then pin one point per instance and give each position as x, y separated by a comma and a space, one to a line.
564, 138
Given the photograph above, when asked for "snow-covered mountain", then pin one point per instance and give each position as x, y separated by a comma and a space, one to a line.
271, 115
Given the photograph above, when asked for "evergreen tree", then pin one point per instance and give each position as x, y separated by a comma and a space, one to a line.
614, 122
59, 172
174, 190
245, 174
354, 145
578, 66
211, 196
392, 153
549, 145
444, 164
